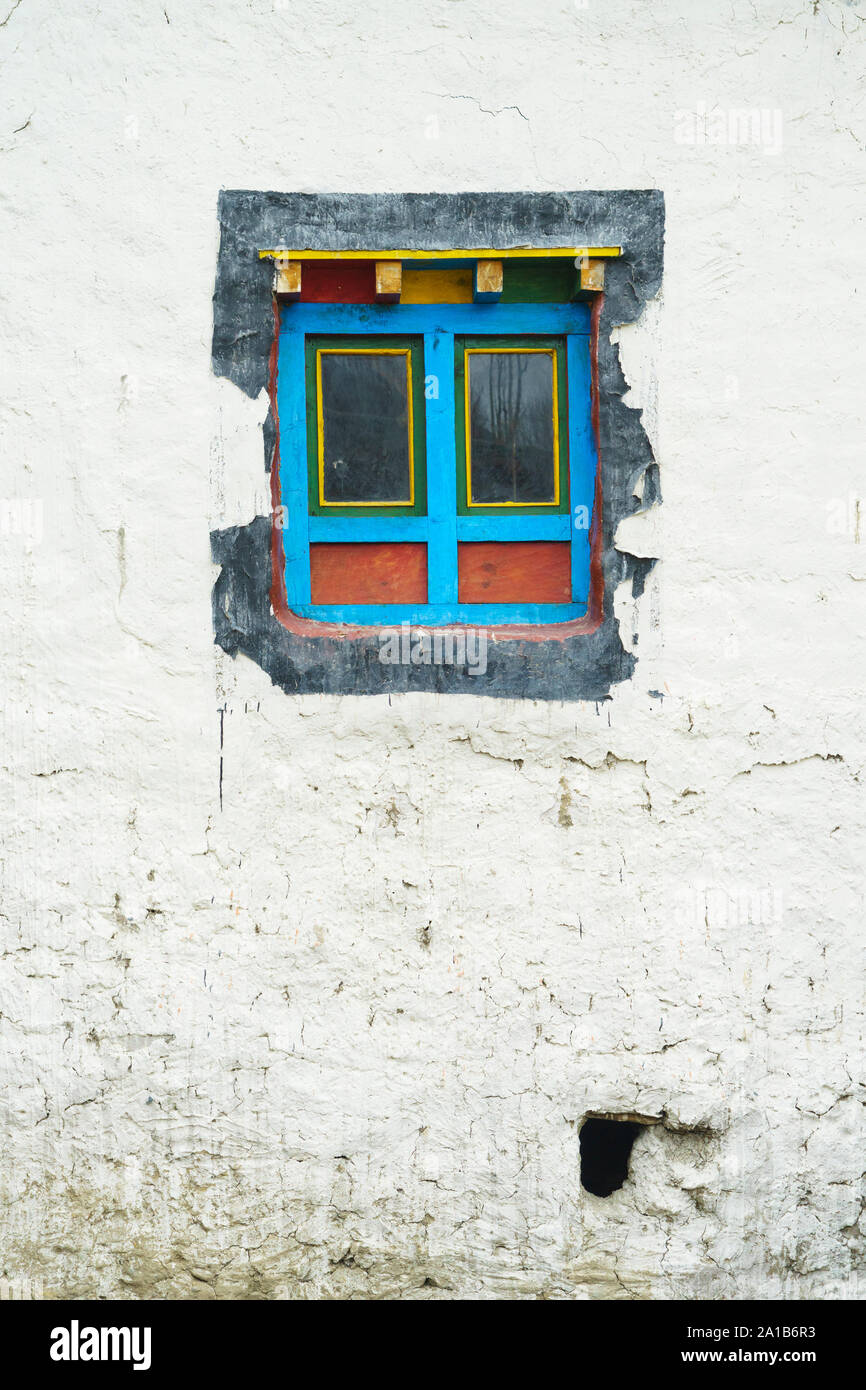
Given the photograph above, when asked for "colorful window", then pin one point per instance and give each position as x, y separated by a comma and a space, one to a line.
436, 460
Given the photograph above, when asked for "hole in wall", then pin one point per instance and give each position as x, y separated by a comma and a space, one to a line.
605, 1150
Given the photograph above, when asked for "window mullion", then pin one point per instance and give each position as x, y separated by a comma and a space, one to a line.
441, 468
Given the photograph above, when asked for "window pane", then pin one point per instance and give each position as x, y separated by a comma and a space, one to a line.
365, 422
512, 453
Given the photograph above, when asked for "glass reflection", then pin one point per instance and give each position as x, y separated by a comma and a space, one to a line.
511, 432
365, 427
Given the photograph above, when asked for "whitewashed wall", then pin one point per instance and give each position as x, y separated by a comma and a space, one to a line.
335, 1033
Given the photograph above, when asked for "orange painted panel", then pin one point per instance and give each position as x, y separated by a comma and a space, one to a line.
514, 572
369, 572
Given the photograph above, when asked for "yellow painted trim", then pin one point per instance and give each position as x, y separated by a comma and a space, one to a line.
452, 254
452, 285
320, 422
489, 352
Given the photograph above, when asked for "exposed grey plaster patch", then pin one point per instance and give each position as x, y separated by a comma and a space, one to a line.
642, 568
581, 667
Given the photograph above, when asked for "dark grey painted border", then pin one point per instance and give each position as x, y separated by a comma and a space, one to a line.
578, 668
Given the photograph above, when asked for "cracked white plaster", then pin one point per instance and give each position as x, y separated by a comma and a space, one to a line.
309, 997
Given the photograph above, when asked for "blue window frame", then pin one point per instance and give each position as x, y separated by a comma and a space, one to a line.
442, 528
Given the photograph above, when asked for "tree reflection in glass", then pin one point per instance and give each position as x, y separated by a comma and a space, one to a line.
365, 427
511, 431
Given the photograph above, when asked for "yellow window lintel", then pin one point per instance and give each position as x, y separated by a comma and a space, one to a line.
451, 253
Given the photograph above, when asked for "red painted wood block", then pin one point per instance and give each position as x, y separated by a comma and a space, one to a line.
369, 572
338, 282
514, 572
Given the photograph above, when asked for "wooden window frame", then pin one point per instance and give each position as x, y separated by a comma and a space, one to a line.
442, 526
367, 344
464, 348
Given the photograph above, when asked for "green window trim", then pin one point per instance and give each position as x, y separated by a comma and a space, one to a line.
414, 345
511, 343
